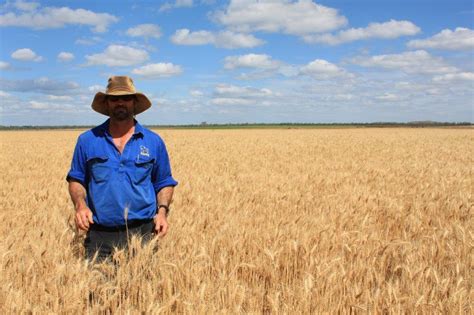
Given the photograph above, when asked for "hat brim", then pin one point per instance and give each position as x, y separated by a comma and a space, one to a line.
99, 104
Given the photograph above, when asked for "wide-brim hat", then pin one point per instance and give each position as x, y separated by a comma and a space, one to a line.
120, 85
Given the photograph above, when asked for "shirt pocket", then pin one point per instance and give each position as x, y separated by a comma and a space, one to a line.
143, 170
99, 169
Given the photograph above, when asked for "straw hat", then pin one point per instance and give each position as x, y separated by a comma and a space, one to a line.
120, 85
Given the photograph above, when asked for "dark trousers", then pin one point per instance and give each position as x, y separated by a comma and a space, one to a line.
103, 240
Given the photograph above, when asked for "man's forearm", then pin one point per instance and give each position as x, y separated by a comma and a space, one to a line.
78, 194
164, 197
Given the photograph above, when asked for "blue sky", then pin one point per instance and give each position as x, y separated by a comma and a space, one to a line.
239, 61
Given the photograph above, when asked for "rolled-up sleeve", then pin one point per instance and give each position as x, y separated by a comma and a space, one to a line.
78, 164
162, 172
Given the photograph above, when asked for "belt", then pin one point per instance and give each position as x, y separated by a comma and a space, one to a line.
130, 225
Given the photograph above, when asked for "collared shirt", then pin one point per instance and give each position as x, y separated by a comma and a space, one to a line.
121, 185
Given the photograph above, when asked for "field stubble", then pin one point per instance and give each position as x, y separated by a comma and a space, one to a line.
263, 221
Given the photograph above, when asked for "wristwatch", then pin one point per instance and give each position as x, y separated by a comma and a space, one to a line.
167, 209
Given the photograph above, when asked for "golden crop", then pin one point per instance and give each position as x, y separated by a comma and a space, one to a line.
293, 221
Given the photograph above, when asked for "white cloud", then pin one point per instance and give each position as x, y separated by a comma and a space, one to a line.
460, 39
118, 56
419, 61
4, 65
257, 61
41, 85
39, 105
53, 17
96, 88
386, 30
26, 6
145, 30
449, 77
185, 37
26, 54
226, 94
302, 17
177, 4
196, 93
265, 66
233, 90
288, 70
223, 39
341, 97
88, 41
65, 56
231, 40
322, 69
231, 101
60, 98
388, 97
183, 3
4, 94
158, 70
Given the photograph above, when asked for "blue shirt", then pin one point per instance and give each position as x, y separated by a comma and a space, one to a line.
116, 182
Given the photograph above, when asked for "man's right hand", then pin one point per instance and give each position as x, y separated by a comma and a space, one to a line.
83, 218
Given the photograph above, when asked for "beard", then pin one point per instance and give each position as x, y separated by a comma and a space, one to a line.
121, 113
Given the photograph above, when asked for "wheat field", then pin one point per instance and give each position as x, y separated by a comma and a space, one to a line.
280, 221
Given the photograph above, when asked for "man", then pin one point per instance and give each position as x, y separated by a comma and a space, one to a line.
120, 179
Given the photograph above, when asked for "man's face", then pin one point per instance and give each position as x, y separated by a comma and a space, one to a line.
121, 107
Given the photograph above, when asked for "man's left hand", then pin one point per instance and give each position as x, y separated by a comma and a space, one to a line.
161, 223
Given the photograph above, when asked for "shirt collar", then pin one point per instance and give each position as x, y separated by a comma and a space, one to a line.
139, 130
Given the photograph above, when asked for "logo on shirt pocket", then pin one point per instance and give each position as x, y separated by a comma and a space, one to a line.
143, 168
99, 169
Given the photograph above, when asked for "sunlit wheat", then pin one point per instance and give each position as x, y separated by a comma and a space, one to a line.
283, 221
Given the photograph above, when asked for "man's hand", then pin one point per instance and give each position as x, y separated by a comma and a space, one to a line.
83, 218
161, 223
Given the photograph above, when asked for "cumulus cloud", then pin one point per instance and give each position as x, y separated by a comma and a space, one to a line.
388, 97
40, 85
158, 70
297, 18
386, 30
96, 88
145, 30
26, 6
88, 41
186, 37
223, 39
39, 105
414, 62
265, 66
322, 69
26, 54
257, 61
59, 98
260, 65
53, 17
177, 4
196, 93
65, 56
118, 56
450, 77
231, 40
4, 94
227, 94
4, 65
459, 39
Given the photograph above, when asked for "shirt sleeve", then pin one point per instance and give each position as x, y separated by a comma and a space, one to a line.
162, 172
78, 164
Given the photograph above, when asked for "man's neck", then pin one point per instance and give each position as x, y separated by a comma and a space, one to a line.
119, 128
